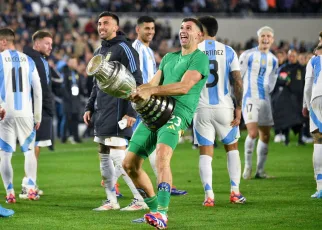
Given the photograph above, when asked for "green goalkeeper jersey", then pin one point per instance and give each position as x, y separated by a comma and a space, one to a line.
173, 67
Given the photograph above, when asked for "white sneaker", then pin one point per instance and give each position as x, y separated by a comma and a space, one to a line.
107, 205
278, 138
307, 140
135, 205
317, 194
247, 174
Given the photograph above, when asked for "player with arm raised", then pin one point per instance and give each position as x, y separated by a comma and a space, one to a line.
259, 72
18, 75
216, 114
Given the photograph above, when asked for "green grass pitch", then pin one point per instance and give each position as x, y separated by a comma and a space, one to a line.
70, 179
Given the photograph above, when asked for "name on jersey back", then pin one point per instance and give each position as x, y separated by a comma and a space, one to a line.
213, 52
15, 59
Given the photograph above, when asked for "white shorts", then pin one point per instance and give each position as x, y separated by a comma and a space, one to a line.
13, 128
258, 111
209, 122
316, 114
111, 141
45, 143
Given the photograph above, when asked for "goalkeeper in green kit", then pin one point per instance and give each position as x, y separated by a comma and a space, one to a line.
182, 76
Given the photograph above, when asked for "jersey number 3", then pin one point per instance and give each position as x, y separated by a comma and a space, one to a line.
213, 67
14, 80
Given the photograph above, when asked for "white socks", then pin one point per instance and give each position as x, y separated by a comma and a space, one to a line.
118, 155
108, 175
262, 150
249, 149
31, 168
205, 170
152, 159
6, 171
234, 169
317, 164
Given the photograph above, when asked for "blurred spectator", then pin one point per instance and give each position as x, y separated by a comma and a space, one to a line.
287, 98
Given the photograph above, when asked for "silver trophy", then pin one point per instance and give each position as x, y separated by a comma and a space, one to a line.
114, 79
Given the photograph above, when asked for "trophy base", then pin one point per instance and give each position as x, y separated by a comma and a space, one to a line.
157, 112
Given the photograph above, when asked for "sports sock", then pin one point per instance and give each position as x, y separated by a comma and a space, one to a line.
262, 150
205, 171
317, 164
249, 149
164, 193
118, 156
152, 159
6, 171
31, 167
108, 175
234, 169
152, 203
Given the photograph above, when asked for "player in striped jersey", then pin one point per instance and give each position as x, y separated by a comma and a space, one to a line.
18, 75
313, 100
259, 71
215, 114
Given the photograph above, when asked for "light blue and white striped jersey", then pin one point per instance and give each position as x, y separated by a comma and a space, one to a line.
259, 73
147, 61
18, 75
222, 60
313, 79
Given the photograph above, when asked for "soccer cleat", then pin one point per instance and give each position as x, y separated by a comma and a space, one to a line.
30, 194
33, 195
11, 198
263, 176
317, 194
237, 198
135, 205
139, 221
176, 192
209, 202
156, 220
247, 174
107, 205
6, 212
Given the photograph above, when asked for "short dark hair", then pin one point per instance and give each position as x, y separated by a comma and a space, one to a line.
109, 14
40, 34
210, 24
143, 19
320, 35
198, 24
7, 34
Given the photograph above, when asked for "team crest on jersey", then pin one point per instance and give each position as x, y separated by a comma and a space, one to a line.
263, 62
108, 56
171, 127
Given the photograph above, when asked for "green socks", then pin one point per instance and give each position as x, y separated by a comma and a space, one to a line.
164, 193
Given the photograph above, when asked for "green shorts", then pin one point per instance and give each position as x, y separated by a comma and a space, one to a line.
144, 141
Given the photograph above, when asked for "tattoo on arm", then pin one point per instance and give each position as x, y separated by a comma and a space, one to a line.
238, 88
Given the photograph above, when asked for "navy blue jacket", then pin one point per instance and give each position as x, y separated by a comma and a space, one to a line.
107, 110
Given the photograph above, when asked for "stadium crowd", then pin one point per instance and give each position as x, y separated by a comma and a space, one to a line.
246, 7
77, 41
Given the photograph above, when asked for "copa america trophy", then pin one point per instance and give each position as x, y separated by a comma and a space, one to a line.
114, 79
